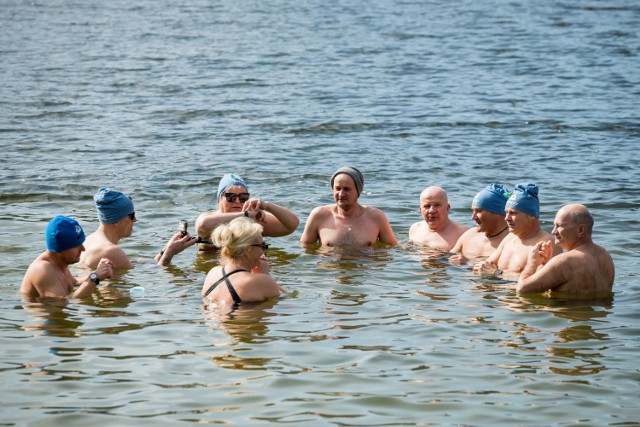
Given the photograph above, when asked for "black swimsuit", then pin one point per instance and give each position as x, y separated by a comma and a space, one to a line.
232, 291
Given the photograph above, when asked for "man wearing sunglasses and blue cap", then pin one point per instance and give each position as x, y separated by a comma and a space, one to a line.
487, 211
234, 201
49, 275
117, 216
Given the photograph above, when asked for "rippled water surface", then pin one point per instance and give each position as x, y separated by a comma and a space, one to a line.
158, 99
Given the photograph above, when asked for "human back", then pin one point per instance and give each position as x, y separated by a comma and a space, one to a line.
243, 275
591, 268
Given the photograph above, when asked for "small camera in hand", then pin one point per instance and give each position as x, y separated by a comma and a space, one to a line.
183, 225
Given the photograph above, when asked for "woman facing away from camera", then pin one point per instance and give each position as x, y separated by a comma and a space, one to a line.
243, 275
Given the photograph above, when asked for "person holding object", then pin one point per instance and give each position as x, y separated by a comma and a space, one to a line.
234, 201
584, 268
49, 275
487, 210
347, 222
117, 216
243, 275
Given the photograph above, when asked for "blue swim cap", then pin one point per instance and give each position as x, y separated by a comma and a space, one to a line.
63, 233
525, 199
492, 198
112, 205
230, 180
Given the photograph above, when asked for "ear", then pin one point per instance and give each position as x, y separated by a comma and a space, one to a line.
582, 230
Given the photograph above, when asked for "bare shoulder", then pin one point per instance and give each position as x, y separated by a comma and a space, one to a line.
460, 226
322, 212
374, 213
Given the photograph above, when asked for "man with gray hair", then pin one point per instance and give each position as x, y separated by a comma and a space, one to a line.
347, 223
584, 268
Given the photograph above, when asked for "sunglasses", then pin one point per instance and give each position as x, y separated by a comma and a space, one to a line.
262, 245
132, 216
231, 197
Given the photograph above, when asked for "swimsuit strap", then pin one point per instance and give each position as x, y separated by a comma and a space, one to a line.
225, 277
232, 291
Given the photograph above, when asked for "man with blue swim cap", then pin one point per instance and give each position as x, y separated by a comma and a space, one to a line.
522, 216
117, 215
487, 210
49, 275
347, 222
437, 230
234, 201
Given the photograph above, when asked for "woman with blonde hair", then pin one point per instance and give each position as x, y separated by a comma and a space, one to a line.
242, 256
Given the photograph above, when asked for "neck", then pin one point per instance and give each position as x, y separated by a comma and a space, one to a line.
497, 233
110, 232
353, 211
236, 264
55, 259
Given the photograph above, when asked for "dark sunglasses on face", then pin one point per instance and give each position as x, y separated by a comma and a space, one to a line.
262, 245
231, 197
132, 216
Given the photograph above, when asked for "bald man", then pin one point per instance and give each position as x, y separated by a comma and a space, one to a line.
584, 268
437, 231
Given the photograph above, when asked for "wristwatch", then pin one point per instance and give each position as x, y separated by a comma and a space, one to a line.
94, 278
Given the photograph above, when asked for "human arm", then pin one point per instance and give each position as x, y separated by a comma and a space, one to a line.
490, 265
311, 228
385, 233
176, 244
458, 257
543, 271
42, 279
103, 270
209, 221
280, 222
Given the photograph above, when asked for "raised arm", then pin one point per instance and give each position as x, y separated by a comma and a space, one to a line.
176, 244
280, 222
208, 221
543, 270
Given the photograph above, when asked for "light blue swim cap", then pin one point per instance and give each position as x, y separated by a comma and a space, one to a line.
63, 233
112, 205
230, 180
492, 198
525, 199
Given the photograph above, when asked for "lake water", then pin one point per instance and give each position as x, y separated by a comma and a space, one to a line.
158, 99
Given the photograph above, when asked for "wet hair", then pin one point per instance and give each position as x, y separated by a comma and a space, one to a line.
234, 237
